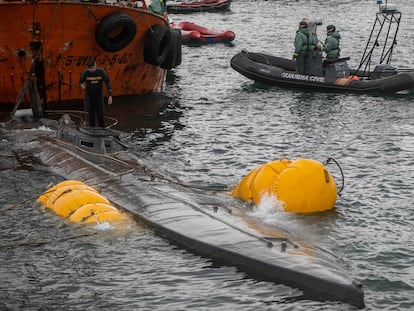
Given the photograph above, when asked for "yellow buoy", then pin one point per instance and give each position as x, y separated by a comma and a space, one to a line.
243, 189
46, 195
259, 181
303, 186
79, 202
67, 202
265, 178
96, 212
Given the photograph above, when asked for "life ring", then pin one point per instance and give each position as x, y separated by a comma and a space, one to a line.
115, 32
157, 45
174, 57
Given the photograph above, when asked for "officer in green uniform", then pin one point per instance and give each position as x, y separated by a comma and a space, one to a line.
331, 47
305, 44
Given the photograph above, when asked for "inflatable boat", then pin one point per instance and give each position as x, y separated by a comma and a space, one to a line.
193, 34
204, 221
335, 74
277, 71
198, 6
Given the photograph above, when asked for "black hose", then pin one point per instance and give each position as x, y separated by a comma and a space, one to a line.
340, 169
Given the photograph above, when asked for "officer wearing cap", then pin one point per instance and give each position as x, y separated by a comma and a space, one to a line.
304, 44
92, 80
331, 47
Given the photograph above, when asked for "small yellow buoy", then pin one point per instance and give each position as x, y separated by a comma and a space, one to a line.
79, 202
46, 195
303, 186
66, 202
96, 212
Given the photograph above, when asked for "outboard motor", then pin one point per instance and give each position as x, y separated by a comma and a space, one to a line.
382, 71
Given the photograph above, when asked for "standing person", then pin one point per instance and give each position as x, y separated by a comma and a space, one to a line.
92, 80
331, 47
305, 44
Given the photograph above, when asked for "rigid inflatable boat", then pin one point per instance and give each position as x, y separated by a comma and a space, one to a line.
204, 221
335, 74
277, 71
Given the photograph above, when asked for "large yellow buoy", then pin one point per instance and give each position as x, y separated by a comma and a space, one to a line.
80, 203
303, 186
97, 212
67, 202
46, 195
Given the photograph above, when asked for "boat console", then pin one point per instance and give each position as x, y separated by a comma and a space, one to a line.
336, 68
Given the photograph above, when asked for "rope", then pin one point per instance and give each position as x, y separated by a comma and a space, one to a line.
340, 169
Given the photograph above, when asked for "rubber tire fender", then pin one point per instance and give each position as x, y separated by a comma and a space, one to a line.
157, 45
174, 55
122, 25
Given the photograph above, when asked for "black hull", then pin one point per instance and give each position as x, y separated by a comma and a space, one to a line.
276, 71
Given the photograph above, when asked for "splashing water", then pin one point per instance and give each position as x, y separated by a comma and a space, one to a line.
268, 209
104, 226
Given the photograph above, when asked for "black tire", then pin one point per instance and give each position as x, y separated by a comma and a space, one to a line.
125, 32
173, 58
157, 45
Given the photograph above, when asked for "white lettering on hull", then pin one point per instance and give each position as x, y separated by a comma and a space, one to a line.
298, 76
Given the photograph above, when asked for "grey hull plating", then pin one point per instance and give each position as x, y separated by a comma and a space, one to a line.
198, 222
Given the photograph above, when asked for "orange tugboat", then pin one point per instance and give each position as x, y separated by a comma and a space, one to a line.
45, 45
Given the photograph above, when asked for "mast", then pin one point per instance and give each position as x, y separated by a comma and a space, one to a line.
383, 37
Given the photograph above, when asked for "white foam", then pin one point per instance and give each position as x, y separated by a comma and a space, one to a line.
104, 226
268, 209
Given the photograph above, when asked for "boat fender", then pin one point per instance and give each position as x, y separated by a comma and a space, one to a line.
157, 44
304, 185
174, 57
115, 32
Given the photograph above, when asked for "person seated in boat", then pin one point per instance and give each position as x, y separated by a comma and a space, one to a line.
304, 44
92, 80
